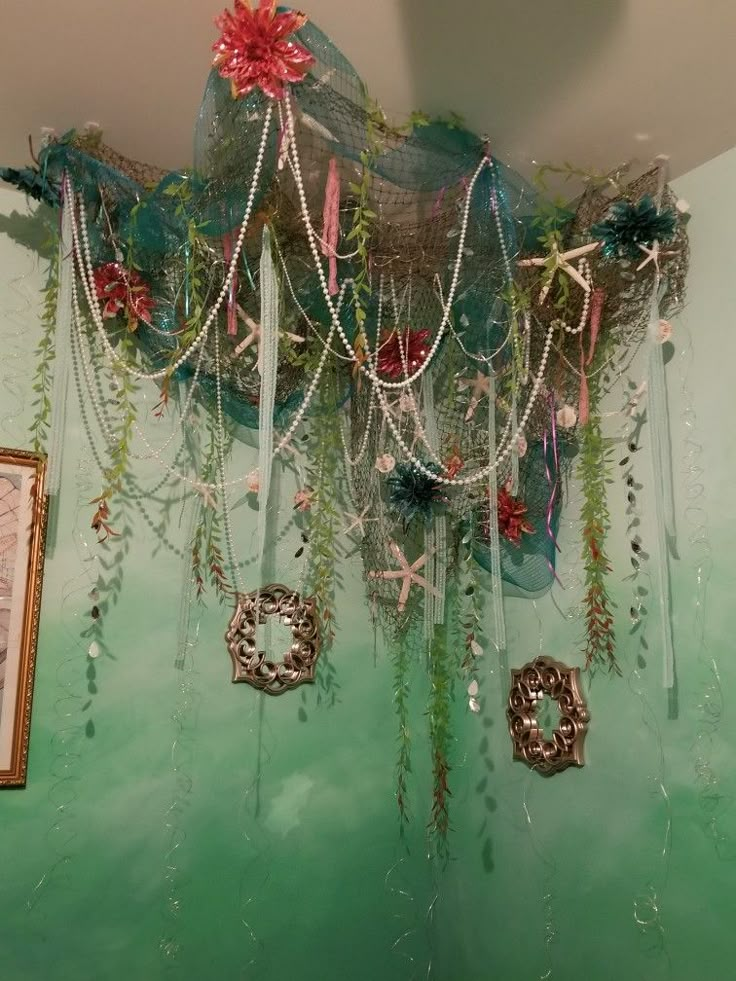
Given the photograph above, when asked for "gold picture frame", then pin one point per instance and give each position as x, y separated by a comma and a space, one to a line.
23, 521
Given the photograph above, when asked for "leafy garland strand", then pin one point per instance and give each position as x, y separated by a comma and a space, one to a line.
324, 522
45, 355
401, 703
120, 452
441, 694
594, 471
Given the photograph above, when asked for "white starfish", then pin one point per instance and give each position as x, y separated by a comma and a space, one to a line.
254, 337
562, 261
408, 574
359, 521
652, 255
481, 386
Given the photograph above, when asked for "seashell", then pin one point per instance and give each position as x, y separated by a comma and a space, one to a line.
664, 332
385, 463
253, 482
566, 417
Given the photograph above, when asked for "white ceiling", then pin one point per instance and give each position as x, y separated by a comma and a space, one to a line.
591, 81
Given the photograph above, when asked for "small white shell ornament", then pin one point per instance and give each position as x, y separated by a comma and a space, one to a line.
664, 332
385, 463
566, 417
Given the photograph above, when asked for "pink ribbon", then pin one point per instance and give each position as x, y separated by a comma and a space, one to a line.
438, 201
232, 306
596, 310
554, 484
331, 223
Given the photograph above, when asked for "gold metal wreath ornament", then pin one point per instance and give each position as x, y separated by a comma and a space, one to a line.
530, 686
298, 663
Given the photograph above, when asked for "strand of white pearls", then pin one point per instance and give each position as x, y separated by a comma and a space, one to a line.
367, 367
88, 277
584, 270
295, 166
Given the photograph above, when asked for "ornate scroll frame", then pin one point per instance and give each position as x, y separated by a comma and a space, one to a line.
298, 663
23, 601
529, 685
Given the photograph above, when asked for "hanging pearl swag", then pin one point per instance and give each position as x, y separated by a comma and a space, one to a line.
321, 248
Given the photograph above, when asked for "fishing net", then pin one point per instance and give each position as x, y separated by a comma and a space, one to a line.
444, 226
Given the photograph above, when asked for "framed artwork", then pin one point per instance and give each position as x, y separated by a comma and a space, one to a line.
23, 515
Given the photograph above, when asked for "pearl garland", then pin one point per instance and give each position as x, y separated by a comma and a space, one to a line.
584, 269
295, 166
367, 367
88, 273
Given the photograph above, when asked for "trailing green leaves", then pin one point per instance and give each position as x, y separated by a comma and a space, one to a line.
45, 354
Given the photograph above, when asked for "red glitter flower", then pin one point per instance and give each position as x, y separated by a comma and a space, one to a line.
399, 346
254, 50
511, 521
123, 289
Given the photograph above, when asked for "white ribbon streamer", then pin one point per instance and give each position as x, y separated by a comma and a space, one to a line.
62, 349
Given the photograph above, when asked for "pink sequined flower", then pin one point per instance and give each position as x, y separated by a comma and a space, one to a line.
254, 49
125, 290
399, 346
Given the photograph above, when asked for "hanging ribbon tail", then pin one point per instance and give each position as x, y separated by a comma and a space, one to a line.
269, 372
554, 486
596, 312
499, 619
331, 223
661, 456
232, 307
62, 346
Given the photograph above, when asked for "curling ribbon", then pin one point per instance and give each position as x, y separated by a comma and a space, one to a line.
552, 484
232, 309
269, 370
331, 223
62, 343
499, 620
596, 311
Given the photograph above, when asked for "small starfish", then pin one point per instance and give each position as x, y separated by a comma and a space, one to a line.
208, 498
561, 260
359, 521
652, 255
253, 336
481, 386
408, 575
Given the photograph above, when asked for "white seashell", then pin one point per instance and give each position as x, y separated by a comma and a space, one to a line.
94, 650
521, 446
475, 649
665, 331
253, 482
474, 705
385, 463
683, 206
566, 417
473, 688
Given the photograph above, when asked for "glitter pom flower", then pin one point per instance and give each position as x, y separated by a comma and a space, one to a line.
399, 346
629, 226
413, 494
511, 521
123, 289
255, 50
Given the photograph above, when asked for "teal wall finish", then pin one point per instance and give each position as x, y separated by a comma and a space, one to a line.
177, 826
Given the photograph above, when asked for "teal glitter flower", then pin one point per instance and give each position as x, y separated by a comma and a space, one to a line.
413, 494
628, 226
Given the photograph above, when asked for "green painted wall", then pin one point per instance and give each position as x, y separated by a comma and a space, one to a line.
177, 826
